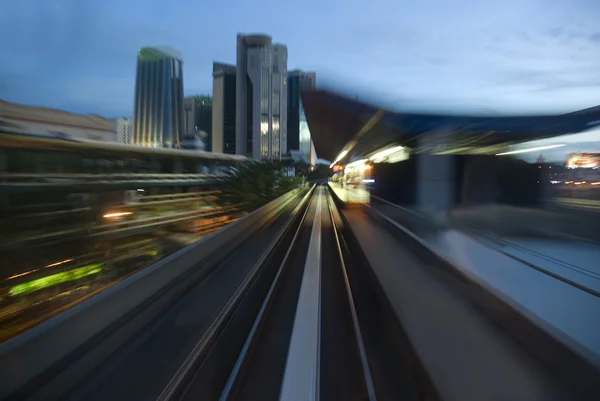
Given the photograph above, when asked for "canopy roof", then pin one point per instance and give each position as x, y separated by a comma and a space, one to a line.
338, 123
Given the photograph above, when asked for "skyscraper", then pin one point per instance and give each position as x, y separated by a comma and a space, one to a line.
223, 108
261, 98
298, 134
158, 112
198, 119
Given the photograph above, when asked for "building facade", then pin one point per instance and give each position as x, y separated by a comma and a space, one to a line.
198, 119
298, 134
124, 129
261, 98
223, 108
43, 120
158, 111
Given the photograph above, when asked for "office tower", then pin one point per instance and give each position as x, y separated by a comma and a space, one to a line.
223, 108
158, 113
198, 119
261, 98
298, 134
124, 128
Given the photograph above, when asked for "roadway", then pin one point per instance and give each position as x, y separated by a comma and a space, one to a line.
324, 302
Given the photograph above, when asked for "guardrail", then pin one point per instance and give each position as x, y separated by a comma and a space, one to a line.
55, 180
61, 350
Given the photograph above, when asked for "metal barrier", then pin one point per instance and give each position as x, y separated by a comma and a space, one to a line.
86, 332
58, 179
566, 356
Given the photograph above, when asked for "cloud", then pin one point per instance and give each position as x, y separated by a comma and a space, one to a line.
513, 56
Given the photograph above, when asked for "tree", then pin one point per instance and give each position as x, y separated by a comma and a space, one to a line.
251, 185
321, 171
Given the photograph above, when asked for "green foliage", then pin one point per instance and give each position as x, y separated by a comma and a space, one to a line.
251, 185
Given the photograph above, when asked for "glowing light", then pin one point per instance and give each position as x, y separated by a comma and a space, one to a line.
583, 160
55, 279
21, 274
340, 157
357, 163
386, 152
119, 214
62, 262
514, 152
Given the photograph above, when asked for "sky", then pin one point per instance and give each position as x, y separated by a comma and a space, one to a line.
492, 57
588, 141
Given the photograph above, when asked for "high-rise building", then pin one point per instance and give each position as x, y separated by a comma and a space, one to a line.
261, 98
158, 113
124, 128
223, 108
198, 119
298, 134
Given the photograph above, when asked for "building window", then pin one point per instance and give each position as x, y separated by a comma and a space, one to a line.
276, 137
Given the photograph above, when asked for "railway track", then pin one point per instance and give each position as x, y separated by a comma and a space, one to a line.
314, 326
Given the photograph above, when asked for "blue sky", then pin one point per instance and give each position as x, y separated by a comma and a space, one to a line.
499, 57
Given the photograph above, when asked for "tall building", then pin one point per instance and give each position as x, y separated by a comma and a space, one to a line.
124, 128
298, 134
198, 119
261, 98
158, 112
223, 108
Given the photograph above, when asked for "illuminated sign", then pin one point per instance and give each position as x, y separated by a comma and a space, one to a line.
583, 160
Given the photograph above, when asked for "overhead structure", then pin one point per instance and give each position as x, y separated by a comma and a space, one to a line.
344, 129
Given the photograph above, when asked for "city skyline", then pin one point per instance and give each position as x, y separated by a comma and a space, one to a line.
511, 57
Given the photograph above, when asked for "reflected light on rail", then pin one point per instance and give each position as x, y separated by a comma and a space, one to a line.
120, 214
514, 152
